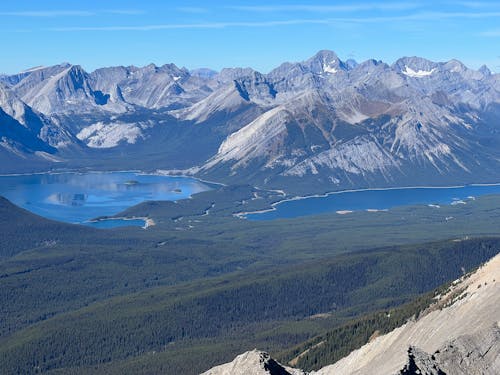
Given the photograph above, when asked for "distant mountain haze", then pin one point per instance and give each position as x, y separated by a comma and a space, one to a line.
317, 125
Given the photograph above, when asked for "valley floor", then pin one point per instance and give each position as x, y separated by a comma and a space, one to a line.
196, 289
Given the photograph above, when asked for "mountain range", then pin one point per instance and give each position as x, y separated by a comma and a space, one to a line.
319, 125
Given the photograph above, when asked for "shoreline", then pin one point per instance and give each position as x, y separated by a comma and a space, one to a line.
242, 215
172, 173
162, 172
148, 222
158, 172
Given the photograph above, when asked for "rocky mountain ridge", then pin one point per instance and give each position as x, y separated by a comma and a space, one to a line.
332, 123
27, 133
459, 334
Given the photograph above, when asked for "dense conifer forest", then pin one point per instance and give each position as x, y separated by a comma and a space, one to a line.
175, 299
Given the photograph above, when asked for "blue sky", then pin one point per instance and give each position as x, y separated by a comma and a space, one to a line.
259, 33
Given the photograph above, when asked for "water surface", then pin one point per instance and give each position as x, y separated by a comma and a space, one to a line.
375, 200
79, 197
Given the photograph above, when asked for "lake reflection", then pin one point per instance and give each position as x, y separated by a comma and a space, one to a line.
76, 197
67, 199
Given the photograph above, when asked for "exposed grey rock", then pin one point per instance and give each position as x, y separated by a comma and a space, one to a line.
253, 363
152, 86
368, 124
418, 113
62, 88
24, 129
228, 75
420, 363
224, 103
476, 354
203, 73
471, 354
457, 335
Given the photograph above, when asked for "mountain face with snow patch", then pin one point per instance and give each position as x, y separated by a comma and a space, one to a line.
369, 124
317, 125
458, 334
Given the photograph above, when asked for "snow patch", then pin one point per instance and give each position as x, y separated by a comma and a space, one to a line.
344, 212
417, 74
329, 68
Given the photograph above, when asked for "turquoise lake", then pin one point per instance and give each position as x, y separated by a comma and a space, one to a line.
375, 200
79, 197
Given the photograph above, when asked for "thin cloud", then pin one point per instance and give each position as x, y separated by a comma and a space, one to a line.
210, 25
49, 13
69, 13
194, 10
125, 12
491, 33
438, 15
19, 31
476, 4
326, 8
424, 16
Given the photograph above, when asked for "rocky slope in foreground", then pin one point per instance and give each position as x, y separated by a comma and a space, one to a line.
459, 335
253, 362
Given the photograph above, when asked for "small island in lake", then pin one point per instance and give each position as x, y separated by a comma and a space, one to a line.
131, 182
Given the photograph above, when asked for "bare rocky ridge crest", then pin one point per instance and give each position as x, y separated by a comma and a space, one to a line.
254, 362
459, 335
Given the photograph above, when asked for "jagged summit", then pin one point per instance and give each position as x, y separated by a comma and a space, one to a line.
21, 129
325, 62
253, 362
415, 66
308, 73
484, 70
60, 88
